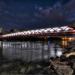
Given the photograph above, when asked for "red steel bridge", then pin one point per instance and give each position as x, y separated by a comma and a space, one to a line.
58, 32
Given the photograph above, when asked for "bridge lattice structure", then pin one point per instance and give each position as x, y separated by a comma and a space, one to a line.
56, 31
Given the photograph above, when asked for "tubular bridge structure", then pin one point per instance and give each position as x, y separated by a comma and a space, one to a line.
57, 32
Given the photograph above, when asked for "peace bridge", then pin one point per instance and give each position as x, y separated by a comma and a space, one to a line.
39, 44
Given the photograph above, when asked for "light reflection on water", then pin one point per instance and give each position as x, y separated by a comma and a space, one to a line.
30, 51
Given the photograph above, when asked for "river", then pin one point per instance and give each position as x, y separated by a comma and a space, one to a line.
31, 51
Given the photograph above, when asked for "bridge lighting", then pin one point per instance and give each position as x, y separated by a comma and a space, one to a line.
4, 35
15, 34
41, 31
22, 33
36, 31
64, 27
11, 34
45, 31
8, 35
57, 29
32, 31
18, 33
51, 30
28, 32
25, 33
48, 29
73, 30
68, 28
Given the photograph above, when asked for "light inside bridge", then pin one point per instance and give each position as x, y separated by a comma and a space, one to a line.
65, 40
41, 31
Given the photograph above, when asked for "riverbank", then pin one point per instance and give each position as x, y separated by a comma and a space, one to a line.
53, 67
20, 68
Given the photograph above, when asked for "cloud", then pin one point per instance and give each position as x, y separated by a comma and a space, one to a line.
27, 14
58, 12
70, 11
52, 13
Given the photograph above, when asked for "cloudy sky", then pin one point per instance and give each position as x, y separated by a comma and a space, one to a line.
30, 14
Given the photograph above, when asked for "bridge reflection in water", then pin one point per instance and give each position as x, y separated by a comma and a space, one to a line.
31, 51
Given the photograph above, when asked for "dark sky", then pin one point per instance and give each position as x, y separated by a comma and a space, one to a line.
27, 14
